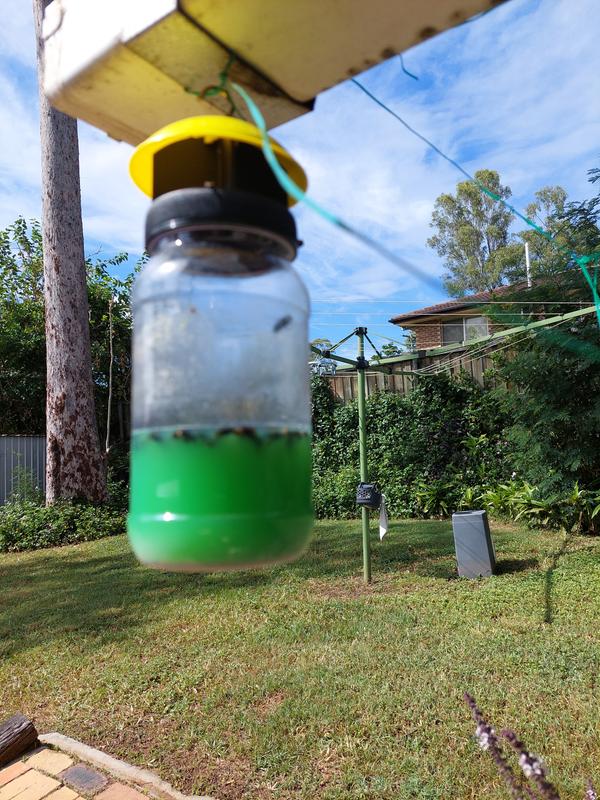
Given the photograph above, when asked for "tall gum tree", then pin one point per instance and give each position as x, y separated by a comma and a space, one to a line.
75, 464
472, 236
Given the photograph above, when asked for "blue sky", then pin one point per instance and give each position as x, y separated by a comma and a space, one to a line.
516, 90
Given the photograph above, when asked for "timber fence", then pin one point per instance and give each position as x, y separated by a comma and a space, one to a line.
345, 382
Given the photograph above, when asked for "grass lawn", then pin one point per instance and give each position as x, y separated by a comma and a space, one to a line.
301, 683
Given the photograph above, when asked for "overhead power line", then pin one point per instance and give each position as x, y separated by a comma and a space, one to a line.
475, 303
582, 261
297, 193
418, 315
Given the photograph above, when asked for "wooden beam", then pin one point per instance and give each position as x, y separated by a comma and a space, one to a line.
131, 67
17, 734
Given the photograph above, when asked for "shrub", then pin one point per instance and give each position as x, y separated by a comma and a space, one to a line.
439, 449
25, 525
423, 448
118, 494
553, 403
334, 492
25, 486
323, 406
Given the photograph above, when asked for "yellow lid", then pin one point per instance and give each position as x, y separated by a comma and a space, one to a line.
210, 129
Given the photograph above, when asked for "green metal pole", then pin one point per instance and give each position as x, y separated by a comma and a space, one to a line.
362, 433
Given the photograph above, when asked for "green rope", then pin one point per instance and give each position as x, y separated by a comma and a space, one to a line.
581, 261
407, 72
221, 89
293, 190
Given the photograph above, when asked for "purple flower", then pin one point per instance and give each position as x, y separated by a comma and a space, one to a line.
485, 736
531, 765
534, 785
590, 792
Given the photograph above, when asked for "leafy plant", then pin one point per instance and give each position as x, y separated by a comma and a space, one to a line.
576, 511
25, 487
26, 525
469, 499
423, 448
436, 498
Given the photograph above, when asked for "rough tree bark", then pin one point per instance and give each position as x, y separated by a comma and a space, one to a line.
75, 465
17, 734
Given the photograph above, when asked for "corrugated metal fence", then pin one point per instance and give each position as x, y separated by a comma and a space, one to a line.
22, 460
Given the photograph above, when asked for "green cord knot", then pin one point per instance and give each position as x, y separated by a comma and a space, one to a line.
221, 89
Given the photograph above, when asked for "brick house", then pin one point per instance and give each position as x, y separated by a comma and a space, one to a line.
451, 322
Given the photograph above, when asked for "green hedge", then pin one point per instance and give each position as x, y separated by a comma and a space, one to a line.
445, 447
26, 525
423, 448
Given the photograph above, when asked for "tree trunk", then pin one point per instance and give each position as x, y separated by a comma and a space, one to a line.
75, 465
110, 374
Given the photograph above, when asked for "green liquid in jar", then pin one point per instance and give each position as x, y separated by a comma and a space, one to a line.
214, 500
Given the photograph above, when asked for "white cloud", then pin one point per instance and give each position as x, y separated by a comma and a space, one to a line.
114, 208
17, 38
515, 90
19, 135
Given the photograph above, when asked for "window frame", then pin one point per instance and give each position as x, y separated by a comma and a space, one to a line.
465, 329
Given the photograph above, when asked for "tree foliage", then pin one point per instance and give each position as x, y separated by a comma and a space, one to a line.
22, 340
554, 377
554, 403
445, 432
472, 236
549, 210
388, 350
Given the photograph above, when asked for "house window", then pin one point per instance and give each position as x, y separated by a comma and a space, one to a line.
453, 332
475, 328
464, 330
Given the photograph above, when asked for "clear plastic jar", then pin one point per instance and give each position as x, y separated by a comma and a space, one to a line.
220, 453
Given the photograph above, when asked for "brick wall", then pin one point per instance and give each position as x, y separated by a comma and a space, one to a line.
429, 335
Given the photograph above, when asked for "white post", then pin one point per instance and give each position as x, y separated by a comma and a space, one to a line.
527, 265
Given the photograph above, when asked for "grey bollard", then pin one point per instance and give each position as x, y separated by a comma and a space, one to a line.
475, 554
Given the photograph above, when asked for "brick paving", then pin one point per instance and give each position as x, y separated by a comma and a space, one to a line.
85, 780
31, 785
13, 771
51, 775
50, 761
64, 793
120, 791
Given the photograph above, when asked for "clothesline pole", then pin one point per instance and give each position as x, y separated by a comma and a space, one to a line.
362, 434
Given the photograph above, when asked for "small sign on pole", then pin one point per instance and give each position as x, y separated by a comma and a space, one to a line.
383, 518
